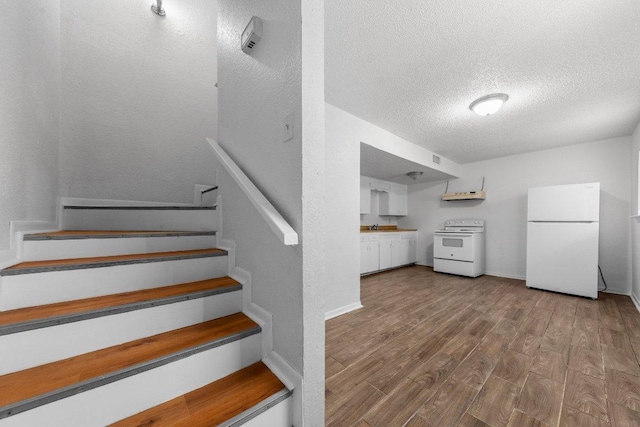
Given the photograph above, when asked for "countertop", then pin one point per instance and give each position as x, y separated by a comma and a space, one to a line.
386, 230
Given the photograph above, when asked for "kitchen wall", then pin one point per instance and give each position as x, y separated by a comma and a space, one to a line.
29, 113
507, 180
635, 211
138, 99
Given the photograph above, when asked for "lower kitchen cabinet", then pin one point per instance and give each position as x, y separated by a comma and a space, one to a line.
382, 251
369, 254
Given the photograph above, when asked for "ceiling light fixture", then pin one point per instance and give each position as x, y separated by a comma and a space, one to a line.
157, 8
489, 104
414, 175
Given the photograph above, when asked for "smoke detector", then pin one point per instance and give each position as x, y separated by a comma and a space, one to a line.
251, 35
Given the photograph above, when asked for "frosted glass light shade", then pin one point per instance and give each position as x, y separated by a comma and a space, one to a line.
488, 104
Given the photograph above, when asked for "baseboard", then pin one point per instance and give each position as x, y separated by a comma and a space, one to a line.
636, 300
290, 378
17, 229
506, 275
610, 290
342, 310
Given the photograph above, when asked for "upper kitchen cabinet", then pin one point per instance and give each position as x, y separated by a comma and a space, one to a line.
365, 195
394, 202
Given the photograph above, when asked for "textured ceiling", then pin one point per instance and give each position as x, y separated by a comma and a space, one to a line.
571, 69
382, 165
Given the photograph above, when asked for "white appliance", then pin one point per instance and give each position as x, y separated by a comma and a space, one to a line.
459, 248
562, 238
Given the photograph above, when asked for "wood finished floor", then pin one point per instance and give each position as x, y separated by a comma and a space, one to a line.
437, 350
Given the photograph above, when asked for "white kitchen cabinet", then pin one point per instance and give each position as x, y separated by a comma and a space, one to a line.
413, 251
395, 201
396, 252
382, 251
365, 195
385, 254
409, 247
369, 254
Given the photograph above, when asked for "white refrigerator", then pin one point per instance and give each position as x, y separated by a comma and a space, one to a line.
562, 238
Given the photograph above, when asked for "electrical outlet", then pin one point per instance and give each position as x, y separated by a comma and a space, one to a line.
287, 128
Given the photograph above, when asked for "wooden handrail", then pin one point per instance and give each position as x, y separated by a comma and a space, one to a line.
276, 222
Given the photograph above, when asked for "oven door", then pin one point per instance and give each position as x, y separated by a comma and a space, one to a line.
453, 246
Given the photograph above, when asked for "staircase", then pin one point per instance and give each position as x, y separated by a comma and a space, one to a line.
119, 320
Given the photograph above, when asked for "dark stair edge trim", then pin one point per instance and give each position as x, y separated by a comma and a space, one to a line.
109, 311
259, 408
35, 237
144, 208
28, 404
68, 267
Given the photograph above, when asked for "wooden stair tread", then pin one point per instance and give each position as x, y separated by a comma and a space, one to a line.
19, 386
214, 403
107, 260
70, 234
67, 308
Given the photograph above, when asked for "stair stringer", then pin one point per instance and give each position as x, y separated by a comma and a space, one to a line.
276, 363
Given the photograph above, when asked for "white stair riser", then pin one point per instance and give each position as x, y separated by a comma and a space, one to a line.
37, 250
277, 416
27, 290
36, 347
112, 402
139, 220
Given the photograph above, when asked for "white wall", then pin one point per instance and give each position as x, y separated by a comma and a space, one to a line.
635, 222
138, 99
29, 112
504, 210
342, 285
284, 74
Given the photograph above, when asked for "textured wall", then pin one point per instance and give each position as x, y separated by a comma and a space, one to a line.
505, 209
138, 99
29, 112
256, 92
342, 287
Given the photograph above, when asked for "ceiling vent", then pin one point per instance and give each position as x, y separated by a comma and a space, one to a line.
436, 159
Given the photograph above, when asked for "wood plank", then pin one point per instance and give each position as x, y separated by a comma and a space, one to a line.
469, 420
550, 364
435, 371
514, 367
353, 405
399, 406
29, 383
573, 418
526, 343
475, 369
586, 394
520, 419
587, 362
622, 416
623, 389
449, 404
89, 304
213, 403
621, 360
541, 398
496, 402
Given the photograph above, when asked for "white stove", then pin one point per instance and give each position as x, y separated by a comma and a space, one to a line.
459, 248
